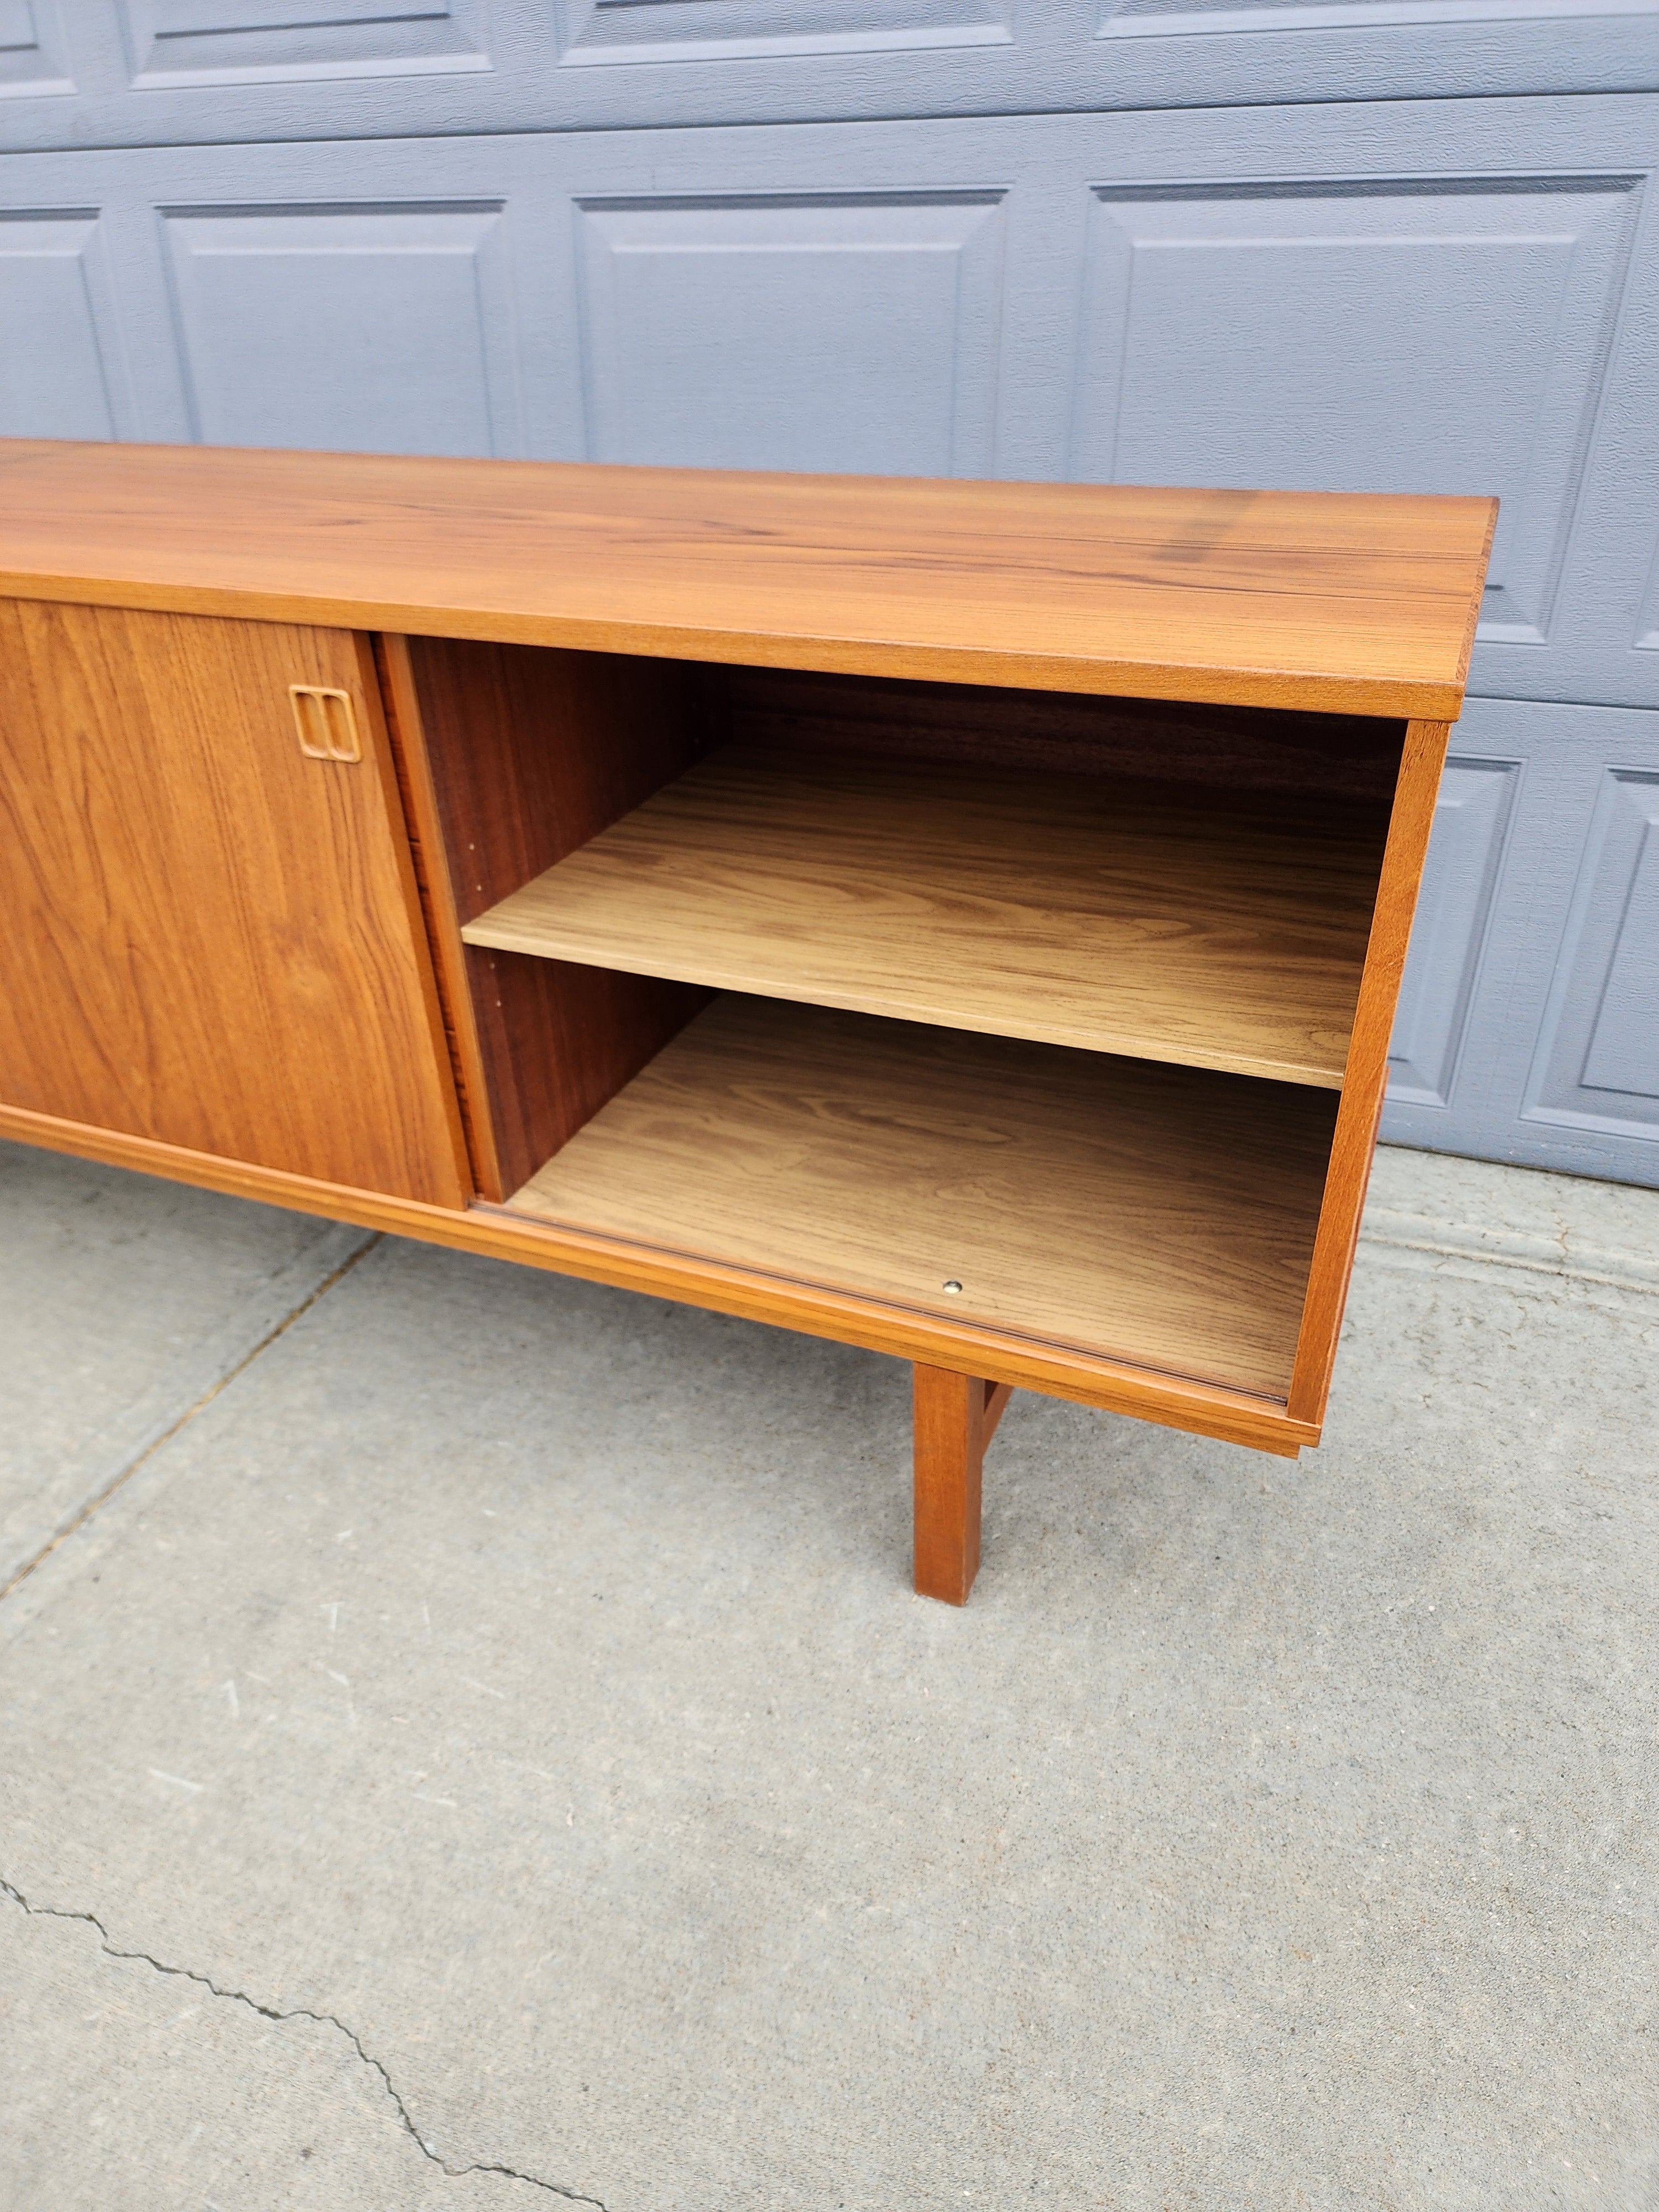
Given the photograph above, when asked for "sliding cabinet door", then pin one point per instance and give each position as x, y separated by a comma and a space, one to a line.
212, 933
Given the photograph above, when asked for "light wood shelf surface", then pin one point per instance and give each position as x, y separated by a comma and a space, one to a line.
1328, 601
1160, 1215
1221, 930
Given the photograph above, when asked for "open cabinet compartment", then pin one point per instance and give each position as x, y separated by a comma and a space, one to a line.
1034, 1008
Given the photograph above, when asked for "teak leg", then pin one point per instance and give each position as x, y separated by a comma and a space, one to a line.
955, 1417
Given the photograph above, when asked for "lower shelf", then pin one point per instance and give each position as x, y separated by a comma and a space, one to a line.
1156, 1214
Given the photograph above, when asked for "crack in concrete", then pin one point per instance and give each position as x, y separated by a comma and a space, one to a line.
300, 2012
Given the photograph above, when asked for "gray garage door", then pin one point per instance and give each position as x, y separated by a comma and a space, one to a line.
1400, 245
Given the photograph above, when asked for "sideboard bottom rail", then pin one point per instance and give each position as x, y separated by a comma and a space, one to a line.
964, 1375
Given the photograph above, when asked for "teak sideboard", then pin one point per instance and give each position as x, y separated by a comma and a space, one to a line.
964, 920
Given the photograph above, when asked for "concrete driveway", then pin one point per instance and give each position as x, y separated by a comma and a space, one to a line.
469, 1742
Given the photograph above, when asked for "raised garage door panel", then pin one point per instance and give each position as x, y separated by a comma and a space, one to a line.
211, 939
32, 54
199, 43
1454, 903
65, 380
295, 323
1597, 1066
1529, 1020
1393, 337
694, 312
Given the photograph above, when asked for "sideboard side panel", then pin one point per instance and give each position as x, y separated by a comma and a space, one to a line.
1366, 1077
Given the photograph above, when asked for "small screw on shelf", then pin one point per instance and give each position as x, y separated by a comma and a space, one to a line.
952, 1284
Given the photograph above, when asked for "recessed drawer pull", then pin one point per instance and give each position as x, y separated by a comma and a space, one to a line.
325, 722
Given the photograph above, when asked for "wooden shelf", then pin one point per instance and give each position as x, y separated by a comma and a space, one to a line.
1215, 929
1160, 1215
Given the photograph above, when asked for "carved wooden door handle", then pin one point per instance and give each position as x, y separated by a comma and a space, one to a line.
327, 724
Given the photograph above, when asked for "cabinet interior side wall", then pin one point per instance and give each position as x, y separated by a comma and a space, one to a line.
529, 752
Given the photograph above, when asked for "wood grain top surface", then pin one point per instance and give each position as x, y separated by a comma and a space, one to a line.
1355, 602
1215, 929
1159, 1215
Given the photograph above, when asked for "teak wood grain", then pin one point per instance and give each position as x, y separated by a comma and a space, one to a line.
1360, 603
1156, 1215
1218, 930
1353, 1143
214, 940
513, 757
433, 887
954, 1417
